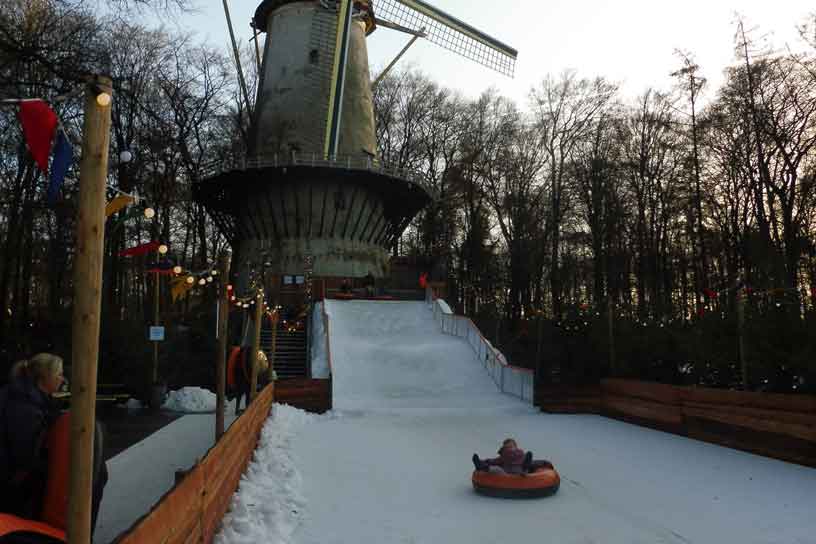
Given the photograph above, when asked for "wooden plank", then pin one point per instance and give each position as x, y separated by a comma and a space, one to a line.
797, 430
176, 518
772, 401
659, 392
662, 413
781, 416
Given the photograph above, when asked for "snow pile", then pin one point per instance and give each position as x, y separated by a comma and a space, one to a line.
133, 404
190, 400
269, 505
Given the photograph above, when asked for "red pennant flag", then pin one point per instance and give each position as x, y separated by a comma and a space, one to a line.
39, 124
143, 249
161, 271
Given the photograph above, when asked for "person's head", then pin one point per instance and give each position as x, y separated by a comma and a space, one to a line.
43, 369
508, 444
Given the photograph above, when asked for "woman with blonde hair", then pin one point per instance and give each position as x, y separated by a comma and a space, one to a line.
27, 411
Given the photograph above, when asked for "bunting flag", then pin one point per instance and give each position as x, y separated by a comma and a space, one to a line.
142, 249
63, 157
118, 203
163, 267
180, 287
39, 124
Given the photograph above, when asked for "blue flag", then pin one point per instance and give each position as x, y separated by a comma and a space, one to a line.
62, 157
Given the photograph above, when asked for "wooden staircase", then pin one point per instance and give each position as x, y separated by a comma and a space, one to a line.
291, 358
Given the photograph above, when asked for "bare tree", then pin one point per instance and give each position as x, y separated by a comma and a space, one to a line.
564, 110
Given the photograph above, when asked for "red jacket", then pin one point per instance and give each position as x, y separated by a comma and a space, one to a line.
509, 459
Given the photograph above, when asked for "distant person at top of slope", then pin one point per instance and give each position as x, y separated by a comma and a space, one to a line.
511, 460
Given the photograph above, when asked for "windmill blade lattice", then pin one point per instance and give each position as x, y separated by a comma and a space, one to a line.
449, 32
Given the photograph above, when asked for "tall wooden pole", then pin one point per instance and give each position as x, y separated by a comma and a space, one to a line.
156, 295
221, 353
88, 261
256, 345
741, 299
270, 373
610, 321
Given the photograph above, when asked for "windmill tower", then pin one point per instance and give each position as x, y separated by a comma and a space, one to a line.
312, 189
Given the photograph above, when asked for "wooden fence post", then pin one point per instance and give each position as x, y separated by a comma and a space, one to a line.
256, 345
275, 319
88, 261
221, 352
741, 339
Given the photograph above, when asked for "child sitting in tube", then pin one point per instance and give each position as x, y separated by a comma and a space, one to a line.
511, 460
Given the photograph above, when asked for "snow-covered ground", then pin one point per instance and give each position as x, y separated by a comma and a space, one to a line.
141, 474
392, 463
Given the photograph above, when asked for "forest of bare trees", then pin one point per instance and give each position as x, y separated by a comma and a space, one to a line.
592, 233
588, 233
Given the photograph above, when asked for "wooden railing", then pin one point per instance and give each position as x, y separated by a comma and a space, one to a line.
192, 510
774, 425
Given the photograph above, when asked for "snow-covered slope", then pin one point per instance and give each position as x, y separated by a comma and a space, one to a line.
392, 463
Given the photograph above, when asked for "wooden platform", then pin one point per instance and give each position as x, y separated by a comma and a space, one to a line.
307, 394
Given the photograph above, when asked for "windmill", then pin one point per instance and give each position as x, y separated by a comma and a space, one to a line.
312, 188
320, 47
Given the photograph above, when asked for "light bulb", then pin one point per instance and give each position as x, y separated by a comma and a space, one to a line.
125, 156
202, 281
177, 269
162, 249
190, 280
214, 272
149, 213
209, 279
103, 99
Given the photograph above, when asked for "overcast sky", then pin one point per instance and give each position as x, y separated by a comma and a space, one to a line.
629, 41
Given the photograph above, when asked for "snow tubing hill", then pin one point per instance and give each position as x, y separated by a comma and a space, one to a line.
51, 529
543, 482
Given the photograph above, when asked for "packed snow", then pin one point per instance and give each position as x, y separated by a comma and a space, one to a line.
411, 405
391, 463
269, 506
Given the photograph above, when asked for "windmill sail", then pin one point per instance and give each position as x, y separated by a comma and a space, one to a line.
449, 32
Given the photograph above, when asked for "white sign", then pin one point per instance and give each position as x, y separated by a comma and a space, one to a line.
156, 334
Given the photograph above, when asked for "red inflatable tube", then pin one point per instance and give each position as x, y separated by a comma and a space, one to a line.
543, 482
51, 529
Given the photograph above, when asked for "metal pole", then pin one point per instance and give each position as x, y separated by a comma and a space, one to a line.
87, 303
221, 353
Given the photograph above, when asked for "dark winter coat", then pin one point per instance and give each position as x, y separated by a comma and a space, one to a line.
511, 460
26, 414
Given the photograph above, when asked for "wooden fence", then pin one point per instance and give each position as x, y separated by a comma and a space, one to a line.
307, 394
779, 426
192, 510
